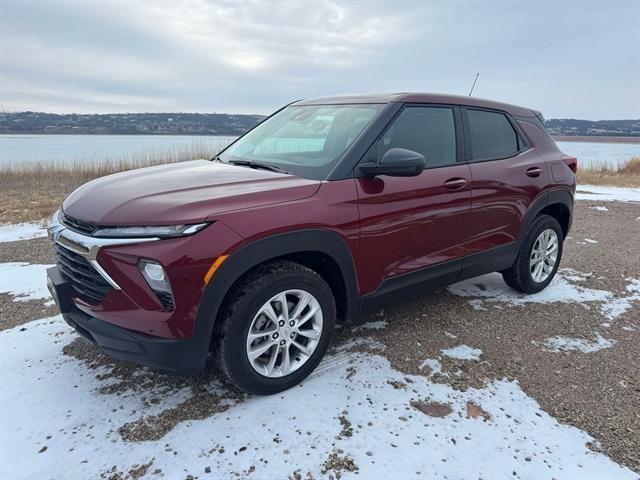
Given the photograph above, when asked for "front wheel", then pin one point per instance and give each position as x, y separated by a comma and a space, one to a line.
538, 258
276, 327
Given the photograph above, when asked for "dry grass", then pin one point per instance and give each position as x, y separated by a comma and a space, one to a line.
625, 175
32, 192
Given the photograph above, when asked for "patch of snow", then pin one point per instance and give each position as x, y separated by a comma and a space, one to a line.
54, 401
600, 208
559, 343
450, 335
13, 232
434, 365
634, 286
491, 287
462, 352
613, 309
629, 328
476, 303
365, 342
574, 275
607, 194
588, 240
25, 281
377, 325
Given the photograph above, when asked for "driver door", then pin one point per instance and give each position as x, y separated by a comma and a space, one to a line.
413, 229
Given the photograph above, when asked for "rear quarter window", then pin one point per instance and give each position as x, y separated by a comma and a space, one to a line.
492, 135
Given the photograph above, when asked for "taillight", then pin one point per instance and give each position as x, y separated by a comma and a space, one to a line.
572, 162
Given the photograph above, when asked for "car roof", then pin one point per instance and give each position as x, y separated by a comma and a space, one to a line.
418, 97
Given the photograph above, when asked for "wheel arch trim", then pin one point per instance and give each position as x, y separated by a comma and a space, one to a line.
262, 250
562, 196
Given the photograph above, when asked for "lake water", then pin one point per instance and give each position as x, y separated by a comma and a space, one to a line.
595, 153
98, 148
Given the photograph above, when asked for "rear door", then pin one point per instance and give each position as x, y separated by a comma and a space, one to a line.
506, 177
410, 223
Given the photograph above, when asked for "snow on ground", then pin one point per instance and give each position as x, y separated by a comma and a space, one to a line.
24, 281
376, 325
560, 343
346, 407
563, 288
434, 366
607, 194
600, 208
462, 352
618, 306
12, 232
492, 288
55, 406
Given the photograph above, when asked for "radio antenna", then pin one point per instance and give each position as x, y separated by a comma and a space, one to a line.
474, 83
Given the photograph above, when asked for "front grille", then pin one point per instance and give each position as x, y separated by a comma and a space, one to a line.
85, 280
78, 225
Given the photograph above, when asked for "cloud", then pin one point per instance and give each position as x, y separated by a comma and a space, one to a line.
256, 55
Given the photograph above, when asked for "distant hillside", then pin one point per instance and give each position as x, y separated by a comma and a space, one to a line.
588, 128
128, 123
229, 124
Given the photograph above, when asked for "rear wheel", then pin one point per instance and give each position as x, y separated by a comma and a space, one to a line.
539, 257
276, 326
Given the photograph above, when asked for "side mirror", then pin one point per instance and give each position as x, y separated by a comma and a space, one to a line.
396, 162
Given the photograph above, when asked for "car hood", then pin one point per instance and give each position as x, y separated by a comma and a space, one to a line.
179, 193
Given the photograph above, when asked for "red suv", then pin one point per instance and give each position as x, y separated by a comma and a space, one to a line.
327, 208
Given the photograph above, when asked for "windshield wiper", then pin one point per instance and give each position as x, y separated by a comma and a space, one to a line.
264, 166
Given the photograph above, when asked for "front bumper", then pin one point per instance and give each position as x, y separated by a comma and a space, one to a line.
175, 355
107, 283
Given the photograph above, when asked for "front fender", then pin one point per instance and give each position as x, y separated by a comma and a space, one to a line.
248, 256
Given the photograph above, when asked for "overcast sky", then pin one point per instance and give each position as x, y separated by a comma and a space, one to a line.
568, 59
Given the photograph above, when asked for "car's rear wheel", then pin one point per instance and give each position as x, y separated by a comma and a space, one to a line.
276, 326
538, 258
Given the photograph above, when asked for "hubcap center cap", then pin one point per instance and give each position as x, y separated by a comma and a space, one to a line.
286, 331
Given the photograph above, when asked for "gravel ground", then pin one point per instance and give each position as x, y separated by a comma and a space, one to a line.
597, 392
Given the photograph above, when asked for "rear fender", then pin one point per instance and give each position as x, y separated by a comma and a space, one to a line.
556, 196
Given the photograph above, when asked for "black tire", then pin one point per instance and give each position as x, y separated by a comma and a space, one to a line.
243, 302
518, 276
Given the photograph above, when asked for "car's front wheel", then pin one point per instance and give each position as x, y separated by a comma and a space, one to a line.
276, 327
538, 258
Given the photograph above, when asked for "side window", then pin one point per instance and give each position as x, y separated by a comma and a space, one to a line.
426, 130
492, 135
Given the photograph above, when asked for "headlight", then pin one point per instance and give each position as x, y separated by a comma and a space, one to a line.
163, 231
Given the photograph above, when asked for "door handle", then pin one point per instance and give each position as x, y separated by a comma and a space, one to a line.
534, 171
455, 183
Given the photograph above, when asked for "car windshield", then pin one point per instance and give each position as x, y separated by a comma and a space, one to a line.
305, 140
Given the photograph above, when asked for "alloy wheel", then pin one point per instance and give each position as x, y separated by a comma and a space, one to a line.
284, 333
544, 255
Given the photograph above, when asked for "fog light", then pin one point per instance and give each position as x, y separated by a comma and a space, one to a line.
154, 272
158, 280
